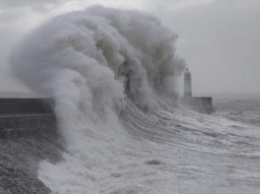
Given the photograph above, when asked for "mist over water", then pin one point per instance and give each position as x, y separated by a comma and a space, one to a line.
113, 75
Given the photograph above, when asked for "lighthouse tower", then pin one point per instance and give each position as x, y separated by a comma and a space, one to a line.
187, 84
200, 104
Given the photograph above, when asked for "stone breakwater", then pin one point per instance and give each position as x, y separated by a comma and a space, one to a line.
23, 116
21, 125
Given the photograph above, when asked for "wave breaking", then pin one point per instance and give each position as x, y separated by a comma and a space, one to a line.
113, 75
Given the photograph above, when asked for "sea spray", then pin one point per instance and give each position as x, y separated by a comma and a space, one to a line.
88, 47
92, 63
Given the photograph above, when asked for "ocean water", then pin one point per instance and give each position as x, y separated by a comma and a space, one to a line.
246, 110
113, 75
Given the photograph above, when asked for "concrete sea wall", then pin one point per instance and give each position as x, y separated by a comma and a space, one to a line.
19, 125
20, 117
11, 106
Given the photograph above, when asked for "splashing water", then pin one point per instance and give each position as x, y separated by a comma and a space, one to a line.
112, 74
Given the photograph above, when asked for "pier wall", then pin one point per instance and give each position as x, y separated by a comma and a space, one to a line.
25, 106
200, 104
20, 117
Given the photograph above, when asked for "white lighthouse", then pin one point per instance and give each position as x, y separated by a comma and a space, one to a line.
200, 104
187, 84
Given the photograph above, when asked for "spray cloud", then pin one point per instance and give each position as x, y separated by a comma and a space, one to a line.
88, 61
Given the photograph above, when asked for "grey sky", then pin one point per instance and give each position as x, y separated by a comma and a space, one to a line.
219, 39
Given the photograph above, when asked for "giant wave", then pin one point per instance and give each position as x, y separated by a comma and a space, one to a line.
113, 75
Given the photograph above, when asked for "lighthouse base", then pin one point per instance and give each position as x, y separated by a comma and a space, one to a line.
200, 104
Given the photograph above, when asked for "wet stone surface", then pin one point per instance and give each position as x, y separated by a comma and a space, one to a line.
19, 159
